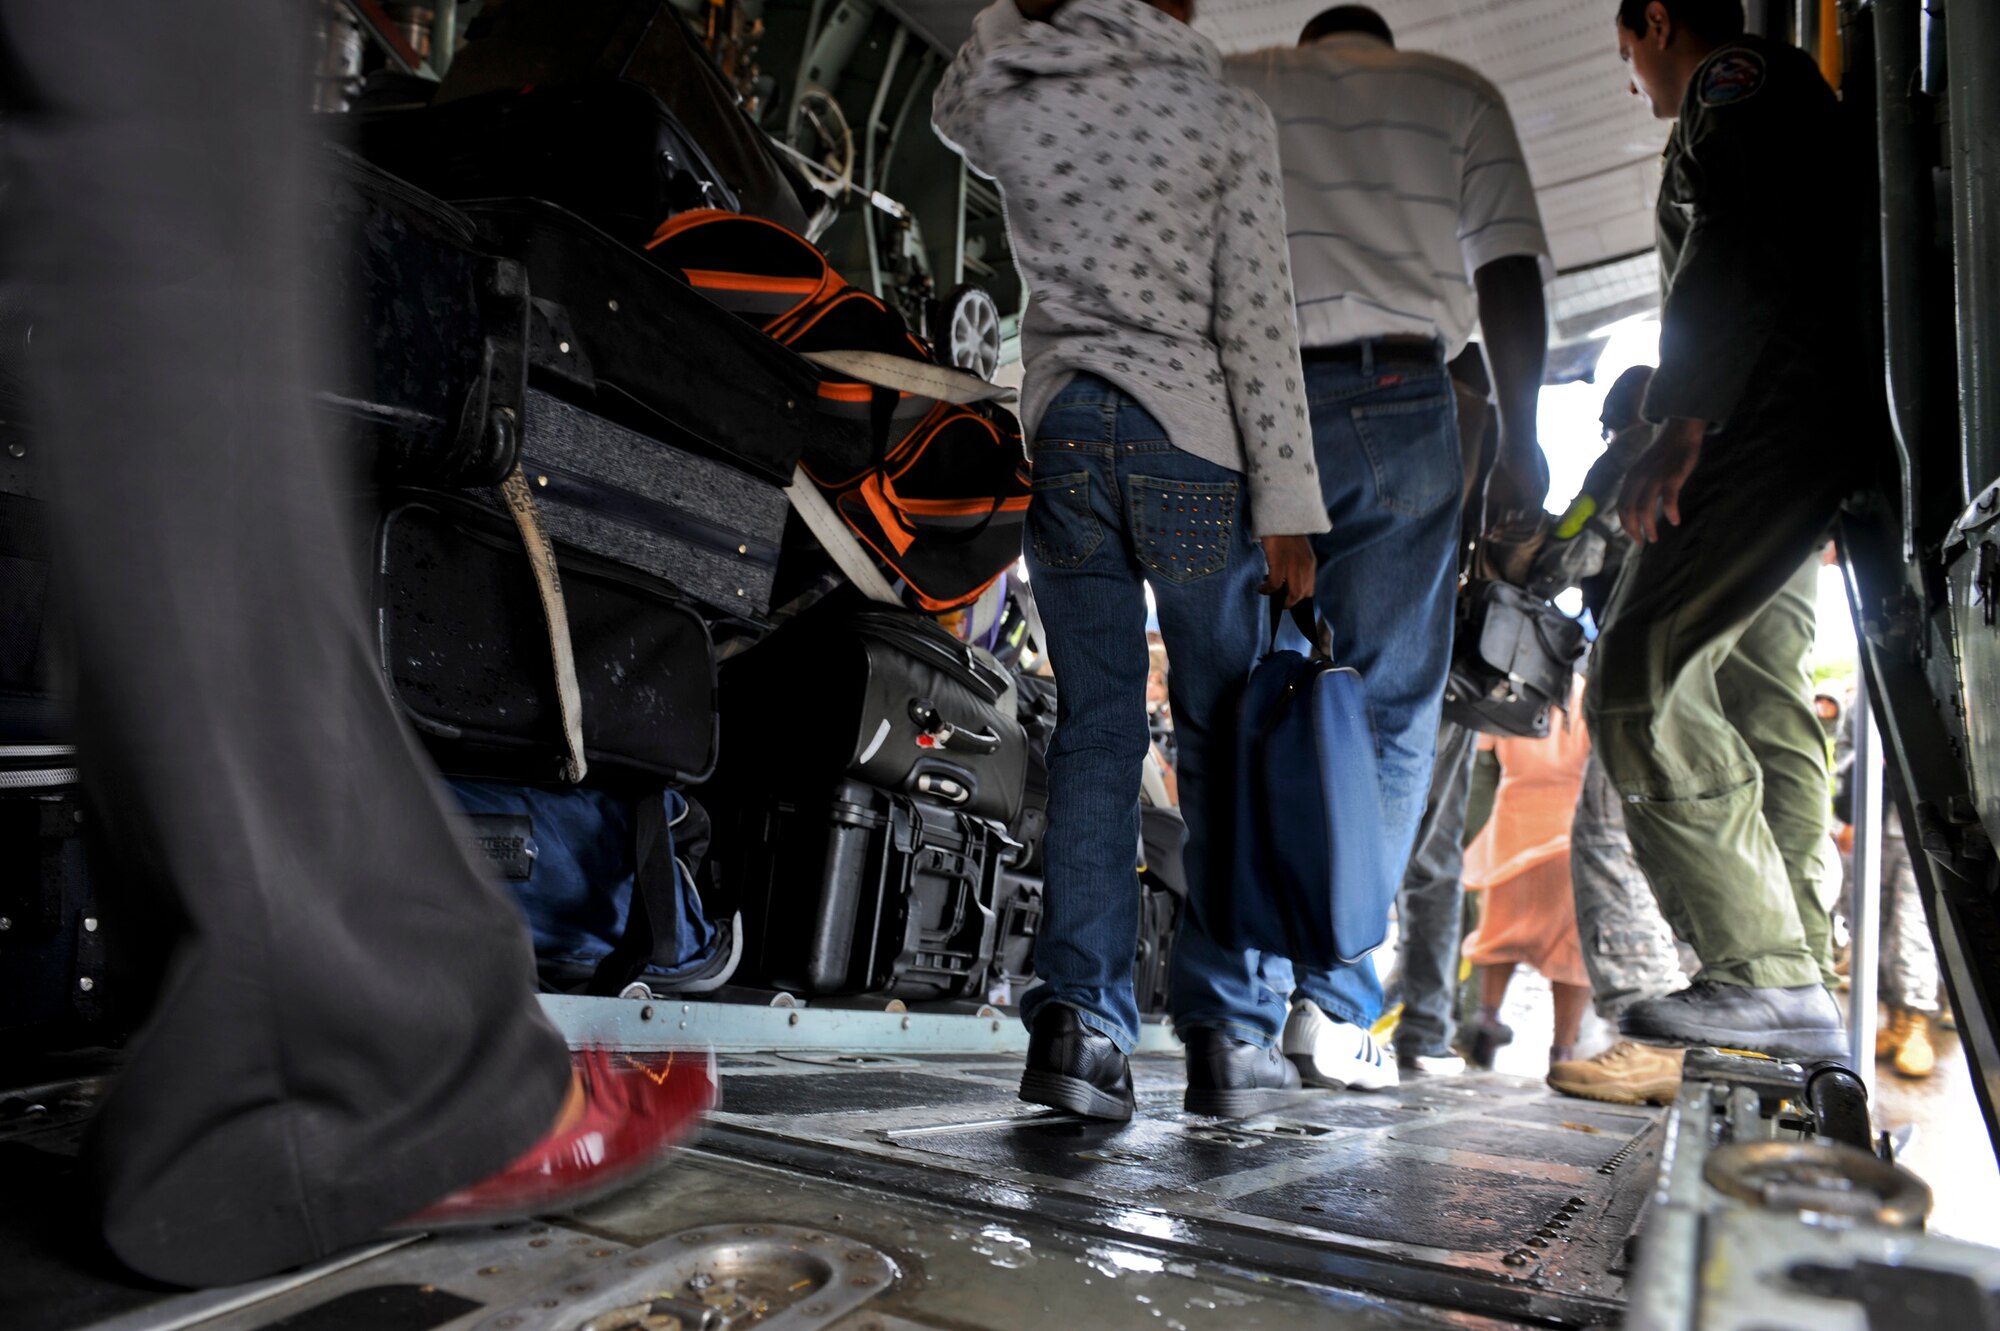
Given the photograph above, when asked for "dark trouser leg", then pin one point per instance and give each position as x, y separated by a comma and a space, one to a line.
1386, 442
1693, 786
1093, 603
347, 1029
1432, 900
1118, 507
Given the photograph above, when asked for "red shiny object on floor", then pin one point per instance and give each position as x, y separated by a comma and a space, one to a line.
634, 1113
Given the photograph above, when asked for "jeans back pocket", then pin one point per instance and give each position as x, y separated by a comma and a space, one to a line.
1412, 447
1062, 528
1182, 530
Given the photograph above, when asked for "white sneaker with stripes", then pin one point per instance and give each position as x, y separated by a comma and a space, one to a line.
1336, 1054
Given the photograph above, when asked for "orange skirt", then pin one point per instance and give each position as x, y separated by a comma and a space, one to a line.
1531, 918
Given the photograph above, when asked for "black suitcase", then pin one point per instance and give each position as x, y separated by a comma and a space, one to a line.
709, 529
608, 151
432, 334
860, 891
465, 652
576, 44
435, 330
53, 972
876, 695
638, 345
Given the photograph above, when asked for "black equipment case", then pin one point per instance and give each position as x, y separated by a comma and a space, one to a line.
866, 892
1017, 911
1035, 706
53, 971
465, 652
1162, 903
873, 767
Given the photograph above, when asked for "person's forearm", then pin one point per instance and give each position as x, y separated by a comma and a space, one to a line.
1514, 320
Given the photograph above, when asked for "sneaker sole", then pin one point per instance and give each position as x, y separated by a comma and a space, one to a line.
1240, 1103
1310, 1074
1074, 1094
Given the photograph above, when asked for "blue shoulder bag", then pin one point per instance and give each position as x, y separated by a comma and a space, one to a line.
1312, 875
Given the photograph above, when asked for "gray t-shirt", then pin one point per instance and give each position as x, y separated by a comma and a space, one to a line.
1147, 218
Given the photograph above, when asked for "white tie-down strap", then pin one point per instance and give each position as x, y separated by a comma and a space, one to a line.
838, 540
943, 382
520, 502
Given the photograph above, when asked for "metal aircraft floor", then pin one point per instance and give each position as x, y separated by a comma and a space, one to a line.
1477, 1201
1482, 1194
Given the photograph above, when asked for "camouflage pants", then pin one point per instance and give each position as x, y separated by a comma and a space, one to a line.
1909, 965
1627, 947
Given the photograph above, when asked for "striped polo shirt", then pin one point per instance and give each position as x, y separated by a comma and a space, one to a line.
1403, 176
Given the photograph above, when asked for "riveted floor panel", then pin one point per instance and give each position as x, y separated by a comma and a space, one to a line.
1490, 1195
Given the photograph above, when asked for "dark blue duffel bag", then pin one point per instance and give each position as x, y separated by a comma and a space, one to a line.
607, 884
1312, 875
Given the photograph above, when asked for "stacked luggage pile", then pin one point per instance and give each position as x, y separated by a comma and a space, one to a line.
655, 557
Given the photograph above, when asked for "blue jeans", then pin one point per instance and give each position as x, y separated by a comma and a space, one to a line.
1385, 438
1117, 507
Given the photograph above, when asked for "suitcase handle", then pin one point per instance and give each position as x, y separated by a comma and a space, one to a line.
941, 787
937, 733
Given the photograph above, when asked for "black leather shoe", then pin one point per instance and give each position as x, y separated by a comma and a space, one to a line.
1801, 1023
1072, 1067
1231, 1078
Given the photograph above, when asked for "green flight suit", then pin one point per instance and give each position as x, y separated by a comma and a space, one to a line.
1698, 703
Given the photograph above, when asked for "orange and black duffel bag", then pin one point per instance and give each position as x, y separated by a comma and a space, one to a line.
935, 488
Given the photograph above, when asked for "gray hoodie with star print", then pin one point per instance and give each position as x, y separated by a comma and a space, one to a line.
1147, 218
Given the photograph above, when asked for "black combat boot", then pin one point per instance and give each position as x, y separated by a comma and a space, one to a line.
1802, 1022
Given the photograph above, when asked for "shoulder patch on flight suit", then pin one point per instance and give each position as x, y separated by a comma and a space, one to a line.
1731, 77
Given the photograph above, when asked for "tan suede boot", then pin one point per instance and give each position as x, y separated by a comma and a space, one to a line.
1628, 1073
1889, 1033
1915, 1058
